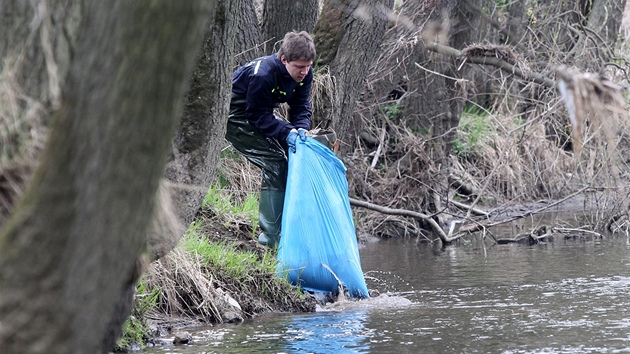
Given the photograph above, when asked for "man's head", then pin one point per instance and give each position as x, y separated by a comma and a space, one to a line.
297, 54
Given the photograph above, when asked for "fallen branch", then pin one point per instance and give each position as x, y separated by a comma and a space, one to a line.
565, 230
403, 212
544, 232
478, 226
457, 229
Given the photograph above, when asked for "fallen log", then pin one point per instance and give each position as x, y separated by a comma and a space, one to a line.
403, 212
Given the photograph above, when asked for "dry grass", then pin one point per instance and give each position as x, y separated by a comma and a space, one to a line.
523, 155
185, 287
323, 97
240, 177
194, 286
597, 111
531, 151
22, 136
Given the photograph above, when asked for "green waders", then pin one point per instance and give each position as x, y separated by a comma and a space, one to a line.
270, 157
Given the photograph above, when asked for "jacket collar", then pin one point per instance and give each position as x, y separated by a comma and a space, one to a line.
281, 68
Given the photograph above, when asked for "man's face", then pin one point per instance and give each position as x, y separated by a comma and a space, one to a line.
298, 69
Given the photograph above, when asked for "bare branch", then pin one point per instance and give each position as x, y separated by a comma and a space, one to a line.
483, 60
481, 226
403, 212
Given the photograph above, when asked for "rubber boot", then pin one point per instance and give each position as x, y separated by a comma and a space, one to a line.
270, 216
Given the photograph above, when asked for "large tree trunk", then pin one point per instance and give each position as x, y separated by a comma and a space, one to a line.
202, 128
71, 245
416, 91
249, 44
38, 49
434, 105
350, 49
282, 16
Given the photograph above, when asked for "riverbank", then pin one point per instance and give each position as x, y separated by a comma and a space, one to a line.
218, 273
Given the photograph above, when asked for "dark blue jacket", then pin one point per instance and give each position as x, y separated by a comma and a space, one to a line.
265, 83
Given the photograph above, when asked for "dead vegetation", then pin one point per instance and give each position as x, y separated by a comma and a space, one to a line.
22, 136
528, 143
202, 293
513, 160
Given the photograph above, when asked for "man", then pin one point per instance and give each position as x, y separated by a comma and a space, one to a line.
264, 139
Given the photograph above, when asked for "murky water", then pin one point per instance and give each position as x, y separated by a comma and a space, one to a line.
562, 297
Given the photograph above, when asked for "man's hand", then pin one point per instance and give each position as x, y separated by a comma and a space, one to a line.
302, 133
293, 134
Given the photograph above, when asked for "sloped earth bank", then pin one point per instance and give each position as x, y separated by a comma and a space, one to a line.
196, 294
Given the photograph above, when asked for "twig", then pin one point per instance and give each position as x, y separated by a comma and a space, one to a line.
380, 145
439, 74
469, 207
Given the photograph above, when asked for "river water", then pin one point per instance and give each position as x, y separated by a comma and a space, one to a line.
569, 296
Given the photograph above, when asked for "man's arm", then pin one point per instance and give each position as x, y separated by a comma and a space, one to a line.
300, 104
260, 105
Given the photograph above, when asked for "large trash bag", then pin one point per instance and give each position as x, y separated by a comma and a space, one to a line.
318, 248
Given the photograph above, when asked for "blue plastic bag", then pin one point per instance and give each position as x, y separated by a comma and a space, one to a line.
318, 235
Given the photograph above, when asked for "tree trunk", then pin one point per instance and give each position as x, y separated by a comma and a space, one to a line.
282, 16
71, 244
423, 85
515, 29
351, 54
200, 137
605, 19
249, 44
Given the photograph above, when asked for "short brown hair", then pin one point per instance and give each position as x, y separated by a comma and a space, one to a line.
297, 46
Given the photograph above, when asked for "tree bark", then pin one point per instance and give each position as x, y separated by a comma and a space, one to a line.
282, 16
249, 44
201, 132
70, 246
424, 85
351, 53
432, 108
605, 21
605, 18
515, 28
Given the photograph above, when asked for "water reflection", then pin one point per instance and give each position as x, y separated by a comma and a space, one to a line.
321, 332
328, 332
